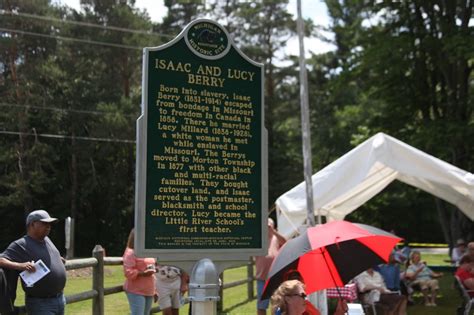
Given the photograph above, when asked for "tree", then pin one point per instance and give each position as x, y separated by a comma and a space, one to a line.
410, 62
76, 93
24, 162
264, 28
180, 13
102, 172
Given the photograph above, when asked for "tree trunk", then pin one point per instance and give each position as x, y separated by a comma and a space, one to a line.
444, 220
23, 161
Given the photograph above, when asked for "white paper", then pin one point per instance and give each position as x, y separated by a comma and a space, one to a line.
30, 278
354, 309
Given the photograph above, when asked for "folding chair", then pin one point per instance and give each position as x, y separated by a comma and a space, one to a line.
411, 289
368, 307
468, 301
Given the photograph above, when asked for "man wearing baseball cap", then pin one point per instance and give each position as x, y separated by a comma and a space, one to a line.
458, 251
46, 295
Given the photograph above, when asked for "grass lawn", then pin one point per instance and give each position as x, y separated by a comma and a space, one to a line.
235, 299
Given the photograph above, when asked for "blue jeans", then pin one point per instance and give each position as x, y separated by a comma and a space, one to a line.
139, 304
261, 305
45, 306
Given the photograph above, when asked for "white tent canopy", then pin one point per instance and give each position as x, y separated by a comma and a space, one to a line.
347, 183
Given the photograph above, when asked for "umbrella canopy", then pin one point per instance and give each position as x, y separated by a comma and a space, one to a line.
330, 255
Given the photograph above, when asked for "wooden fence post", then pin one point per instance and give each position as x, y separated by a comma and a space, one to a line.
98, 281
250, 292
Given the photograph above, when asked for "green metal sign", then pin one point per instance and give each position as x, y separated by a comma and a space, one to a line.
201, 149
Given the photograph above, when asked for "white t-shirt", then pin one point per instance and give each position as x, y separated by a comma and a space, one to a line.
365, 281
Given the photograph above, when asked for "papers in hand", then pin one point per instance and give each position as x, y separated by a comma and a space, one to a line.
30, 278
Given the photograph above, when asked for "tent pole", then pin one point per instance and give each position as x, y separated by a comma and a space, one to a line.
319, 298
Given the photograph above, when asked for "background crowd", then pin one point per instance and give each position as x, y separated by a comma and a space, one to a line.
388, 288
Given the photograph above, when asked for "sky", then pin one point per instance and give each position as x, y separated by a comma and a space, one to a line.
314, 9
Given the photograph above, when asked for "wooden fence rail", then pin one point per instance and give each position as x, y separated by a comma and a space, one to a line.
98, 261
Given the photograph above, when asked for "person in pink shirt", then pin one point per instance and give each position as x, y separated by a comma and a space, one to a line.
140, 280
263, 263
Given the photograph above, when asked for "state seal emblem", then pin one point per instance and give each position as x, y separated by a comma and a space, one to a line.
207, 39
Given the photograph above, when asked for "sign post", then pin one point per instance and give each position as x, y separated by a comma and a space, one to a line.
201, 177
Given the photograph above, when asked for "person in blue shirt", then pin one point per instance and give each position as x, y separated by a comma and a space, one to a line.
419, 274
390, 273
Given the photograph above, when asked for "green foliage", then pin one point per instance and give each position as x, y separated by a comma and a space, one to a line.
69, 107
404, 69
261, 30
81, 93
400, 209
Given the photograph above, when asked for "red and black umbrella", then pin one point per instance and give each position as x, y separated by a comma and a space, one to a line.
330, 255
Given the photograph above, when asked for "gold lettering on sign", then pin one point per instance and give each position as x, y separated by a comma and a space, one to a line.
204, 162
172, 66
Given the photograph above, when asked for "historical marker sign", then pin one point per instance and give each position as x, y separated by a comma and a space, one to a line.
201, 150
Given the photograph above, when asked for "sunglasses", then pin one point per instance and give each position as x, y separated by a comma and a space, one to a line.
301, 295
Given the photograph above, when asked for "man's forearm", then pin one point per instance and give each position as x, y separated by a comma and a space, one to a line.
5, 263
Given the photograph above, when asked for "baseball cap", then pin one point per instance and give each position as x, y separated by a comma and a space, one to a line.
39, 215
460, 242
